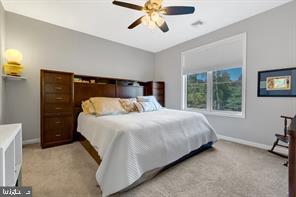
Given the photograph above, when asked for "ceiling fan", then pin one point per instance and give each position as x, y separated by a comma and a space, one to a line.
154, 12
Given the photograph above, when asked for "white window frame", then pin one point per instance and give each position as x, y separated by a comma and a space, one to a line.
209, 110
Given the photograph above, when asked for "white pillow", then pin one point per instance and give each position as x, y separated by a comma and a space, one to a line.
145, 106
149, 99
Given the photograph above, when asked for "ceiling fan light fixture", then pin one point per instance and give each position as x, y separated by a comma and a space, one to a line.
155, 16
146, 20
160, 21
152, 24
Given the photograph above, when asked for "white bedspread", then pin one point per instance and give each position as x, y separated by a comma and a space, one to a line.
132, 144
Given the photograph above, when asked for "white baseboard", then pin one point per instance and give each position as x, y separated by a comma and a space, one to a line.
244, 142
31, 141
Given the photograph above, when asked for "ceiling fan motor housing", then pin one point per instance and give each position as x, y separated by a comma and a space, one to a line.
153, 6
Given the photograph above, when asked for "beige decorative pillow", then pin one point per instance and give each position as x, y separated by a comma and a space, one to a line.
107, 106
129, 104
88, 107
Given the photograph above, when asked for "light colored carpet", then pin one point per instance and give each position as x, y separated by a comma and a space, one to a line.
230, 170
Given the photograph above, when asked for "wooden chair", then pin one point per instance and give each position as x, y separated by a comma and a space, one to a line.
282, 138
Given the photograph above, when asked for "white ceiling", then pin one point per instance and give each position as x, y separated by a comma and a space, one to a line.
101, 18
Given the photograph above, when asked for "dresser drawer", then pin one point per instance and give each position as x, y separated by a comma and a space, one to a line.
57, 78
58, 108
54, 136
57, 88
58, 98
58, 123
57, 129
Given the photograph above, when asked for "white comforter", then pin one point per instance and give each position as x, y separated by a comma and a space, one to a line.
132, 144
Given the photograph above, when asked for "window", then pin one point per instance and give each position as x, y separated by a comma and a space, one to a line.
197, 91
227, 90
214, 77
219, 91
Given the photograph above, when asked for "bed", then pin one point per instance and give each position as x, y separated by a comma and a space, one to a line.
136, 144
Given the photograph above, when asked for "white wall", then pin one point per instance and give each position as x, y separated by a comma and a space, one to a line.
48, 46
271, 44
2, 48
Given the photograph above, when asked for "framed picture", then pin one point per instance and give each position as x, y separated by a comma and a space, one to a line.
277, 83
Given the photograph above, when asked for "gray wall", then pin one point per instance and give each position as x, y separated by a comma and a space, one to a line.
48, 46
2, 48
271, 44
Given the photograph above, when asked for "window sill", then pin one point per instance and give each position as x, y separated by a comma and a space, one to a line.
218, 113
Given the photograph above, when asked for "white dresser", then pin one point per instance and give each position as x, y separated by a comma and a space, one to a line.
10, 154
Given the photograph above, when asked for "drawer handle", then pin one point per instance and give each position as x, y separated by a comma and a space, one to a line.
59, 78
59, 88
58, 135
58, 122
58, 108
59, 98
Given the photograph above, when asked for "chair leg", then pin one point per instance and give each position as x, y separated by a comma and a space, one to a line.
274, 152
274, 145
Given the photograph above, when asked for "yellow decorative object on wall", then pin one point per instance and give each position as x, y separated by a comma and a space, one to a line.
13, 56
13, 69
13, 65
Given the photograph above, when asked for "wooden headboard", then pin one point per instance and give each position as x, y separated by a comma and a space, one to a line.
103, 87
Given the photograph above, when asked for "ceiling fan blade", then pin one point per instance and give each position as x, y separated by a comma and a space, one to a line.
178, 10
136, 23
164, 27
128, 5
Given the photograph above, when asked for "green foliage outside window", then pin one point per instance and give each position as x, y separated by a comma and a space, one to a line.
226, 90
197, 91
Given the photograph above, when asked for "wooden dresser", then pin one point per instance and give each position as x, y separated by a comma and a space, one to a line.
56, 99
156, 89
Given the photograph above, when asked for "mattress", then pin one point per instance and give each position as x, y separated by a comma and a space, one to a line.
132, 144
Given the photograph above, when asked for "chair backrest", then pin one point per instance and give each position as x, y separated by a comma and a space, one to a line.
292, 126
286, 118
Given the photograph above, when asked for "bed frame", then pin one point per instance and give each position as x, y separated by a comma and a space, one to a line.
102, 87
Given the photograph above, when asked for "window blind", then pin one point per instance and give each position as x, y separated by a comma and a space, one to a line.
224, 53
